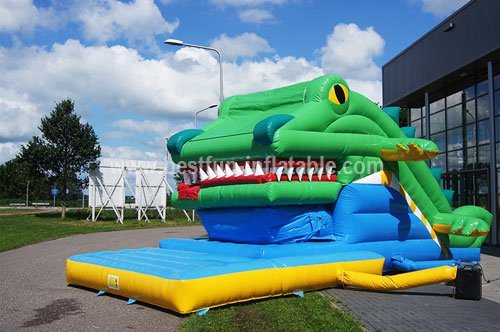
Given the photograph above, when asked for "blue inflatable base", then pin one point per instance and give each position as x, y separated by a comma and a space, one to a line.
415, 250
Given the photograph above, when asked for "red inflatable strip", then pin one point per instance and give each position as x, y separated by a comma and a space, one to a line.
242, 179
254, 179
188, 192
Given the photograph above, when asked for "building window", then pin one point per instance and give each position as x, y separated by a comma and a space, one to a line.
454, 99
469, 93
496, 83
483, 132
471, 158
437, 122
455, 139
417, 120
455, 161
470, 111
483, 154
482, 88
482, 108
437, 106
471, 135
439, 161
497, 102
454, 116
440, 140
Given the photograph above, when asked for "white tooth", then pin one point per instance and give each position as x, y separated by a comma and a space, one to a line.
211, 173
194, 176
220, 172
310, 173
289, 173
300, 171
237, 170
258, 169
203, 175
248, 169
187, 178
279, 172
228, 171
329, 171
320, 173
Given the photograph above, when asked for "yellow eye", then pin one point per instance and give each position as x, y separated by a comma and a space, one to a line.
338, 94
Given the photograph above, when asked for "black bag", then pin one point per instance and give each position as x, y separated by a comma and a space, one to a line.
468, 283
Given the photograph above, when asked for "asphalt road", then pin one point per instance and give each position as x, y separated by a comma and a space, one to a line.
34, 295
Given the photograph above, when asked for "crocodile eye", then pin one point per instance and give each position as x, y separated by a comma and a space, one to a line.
338, 94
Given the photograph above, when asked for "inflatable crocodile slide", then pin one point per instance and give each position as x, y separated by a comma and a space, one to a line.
303, 187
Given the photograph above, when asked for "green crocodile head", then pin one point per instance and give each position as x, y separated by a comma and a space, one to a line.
312, 137
299, 145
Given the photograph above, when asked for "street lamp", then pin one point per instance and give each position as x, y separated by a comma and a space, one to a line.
176, 42
203, 110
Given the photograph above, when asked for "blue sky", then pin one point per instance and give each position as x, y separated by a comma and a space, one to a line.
109, 56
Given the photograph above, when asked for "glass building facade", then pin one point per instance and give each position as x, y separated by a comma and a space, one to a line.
460, 122
449, 82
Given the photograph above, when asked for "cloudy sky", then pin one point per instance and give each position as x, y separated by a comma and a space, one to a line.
109, 57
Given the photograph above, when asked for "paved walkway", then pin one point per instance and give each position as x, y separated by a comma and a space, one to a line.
34, 295
429, 308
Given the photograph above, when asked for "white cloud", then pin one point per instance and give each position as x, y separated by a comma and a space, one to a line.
349, 52
268, 74
128, 152
256, 16
161, 128
112, 78
24, 16
136, 21
372, 89
8, 151
441, 8
246, 45
118, 79
19, 116
248, 3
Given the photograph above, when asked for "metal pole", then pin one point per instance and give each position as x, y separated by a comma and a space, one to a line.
219, 55
83, 200
221, 75
221, 79
27, 193
54, 200
93, 201
203, 110
428, 122
427, 117
493, 156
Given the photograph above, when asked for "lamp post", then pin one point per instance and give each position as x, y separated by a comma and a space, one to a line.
203, 110
176, 42
27, 192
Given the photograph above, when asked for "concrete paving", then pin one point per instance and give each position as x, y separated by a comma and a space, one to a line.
34, 295
430, 308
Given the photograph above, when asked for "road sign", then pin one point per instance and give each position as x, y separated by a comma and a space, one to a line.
54, 191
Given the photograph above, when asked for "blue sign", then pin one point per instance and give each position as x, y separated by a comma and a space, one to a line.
54, 191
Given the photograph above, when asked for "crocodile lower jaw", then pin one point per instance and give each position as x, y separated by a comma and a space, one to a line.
259, 195
257, 183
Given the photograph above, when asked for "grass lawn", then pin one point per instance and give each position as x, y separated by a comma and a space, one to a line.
20, 230
314, 312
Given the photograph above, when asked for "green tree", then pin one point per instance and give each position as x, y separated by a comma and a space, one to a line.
16, 175
66, 149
